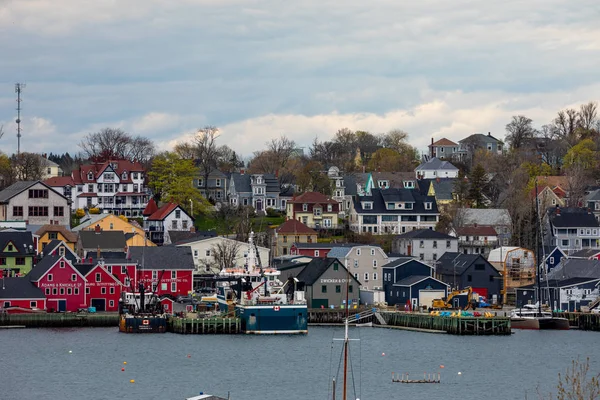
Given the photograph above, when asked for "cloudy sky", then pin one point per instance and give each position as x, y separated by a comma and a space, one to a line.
258, 69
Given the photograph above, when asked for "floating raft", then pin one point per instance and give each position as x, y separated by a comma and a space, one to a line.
199, 326
427, 378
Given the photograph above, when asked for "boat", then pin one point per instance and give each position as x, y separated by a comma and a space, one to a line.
203, 396
263, 303
533, 316
530, 317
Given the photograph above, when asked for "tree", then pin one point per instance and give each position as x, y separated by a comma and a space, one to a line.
565, 126
207, 152
185, 150
386, 160
588, 119
367, 145
170, 177
477, 183
223, 254
27, 166
7, 173
461, 190
110, 144
227, 218
228, 160
583, 154
312, 178
519, 131
577, 383
395, 139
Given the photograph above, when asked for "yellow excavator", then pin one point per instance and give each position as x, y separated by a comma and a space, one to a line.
446, 303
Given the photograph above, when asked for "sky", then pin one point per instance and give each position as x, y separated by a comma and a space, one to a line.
260, 69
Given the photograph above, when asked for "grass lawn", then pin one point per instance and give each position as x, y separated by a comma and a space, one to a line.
260, 224
205, 224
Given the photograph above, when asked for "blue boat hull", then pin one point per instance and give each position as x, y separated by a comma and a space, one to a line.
268, 319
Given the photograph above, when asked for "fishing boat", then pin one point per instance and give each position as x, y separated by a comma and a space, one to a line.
533, 316
264, 304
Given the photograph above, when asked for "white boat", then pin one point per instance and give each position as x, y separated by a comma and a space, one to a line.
207, 397
531, 317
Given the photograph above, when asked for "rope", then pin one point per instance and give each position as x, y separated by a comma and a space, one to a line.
352, 373
330, 383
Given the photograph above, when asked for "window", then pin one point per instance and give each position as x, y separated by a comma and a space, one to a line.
38, 211
69, 291
207, 253
350, 289
111, 303
47, 291
112, 290
329, 208
356, 275
49, 277
174, 224
2, 260
177, 213
62, 291
98, 277
551, 260
74, 277
87, 290
428, 206
76, 291
6, 304
103, 290
54, 291
20, 260
323, 288
38, 193
218, 182
421, 256
368, 206
448, 244
491, 278
304, 207
358, 252
374, 263
366, 276
338, 288
421, 244
336, 266
434, 256
355, 263
111, 226
184, 224
53, 235
372, 252
17, 211
374, 276
408, 206
62, 264
316, 253
90, 188
565, 242
173, 287
469, 278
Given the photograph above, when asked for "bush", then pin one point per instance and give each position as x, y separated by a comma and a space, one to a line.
124, 218
80, 213
271, 212
94, 210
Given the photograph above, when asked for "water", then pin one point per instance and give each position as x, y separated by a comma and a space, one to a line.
36, 364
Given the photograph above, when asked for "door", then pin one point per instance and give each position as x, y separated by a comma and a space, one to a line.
100, 304
62, 305
415, 304
320, 303
259, 205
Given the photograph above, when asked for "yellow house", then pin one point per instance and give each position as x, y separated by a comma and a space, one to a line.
48, 233
134, 235
442, 189
314, 210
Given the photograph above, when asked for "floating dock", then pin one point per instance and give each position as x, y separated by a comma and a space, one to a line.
60, 320
463, 325
583, 321
196, 326
427, 378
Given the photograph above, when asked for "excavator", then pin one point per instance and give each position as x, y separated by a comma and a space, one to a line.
446, 303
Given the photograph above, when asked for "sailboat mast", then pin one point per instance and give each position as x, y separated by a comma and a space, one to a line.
537, 248
344, 390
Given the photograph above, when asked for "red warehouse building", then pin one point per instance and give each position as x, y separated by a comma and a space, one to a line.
62, 284
164, 269
20, 295
103, 290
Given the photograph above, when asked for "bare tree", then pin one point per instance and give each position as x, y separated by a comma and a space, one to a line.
588, 116
282, 149
27, 166
565, 126
229, 161
207, 152
577, 383
185, 151
110, 143
519, 131
223, 254
1, 131
578, 179
244, 225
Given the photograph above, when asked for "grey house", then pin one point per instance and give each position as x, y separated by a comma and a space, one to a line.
443, 148
94, 241
435, 168
364, 262
477, 141
426, 244
470, 270
215, 189
498, 218
260, 191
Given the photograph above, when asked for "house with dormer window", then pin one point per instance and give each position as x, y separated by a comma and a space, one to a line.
215, 188
261, 191
436, 168
573, 229
393, 211
169, 217
116, 186
314, 210
34, 202
17, 251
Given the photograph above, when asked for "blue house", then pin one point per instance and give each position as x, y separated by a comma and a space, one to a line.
553, 258
470, 270
407, 281
575, 283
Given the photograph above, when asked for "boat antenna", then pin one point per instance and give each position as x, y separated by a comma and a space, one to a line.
537, 248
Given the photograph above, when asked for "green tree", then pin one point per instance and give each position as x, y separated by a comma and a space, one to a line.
583, 154
461, 190
386, 160
312, 178
170, 177
477, 184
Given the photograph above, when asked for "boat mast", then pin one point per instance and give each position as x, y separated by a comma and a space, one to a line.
537, 248
344, 390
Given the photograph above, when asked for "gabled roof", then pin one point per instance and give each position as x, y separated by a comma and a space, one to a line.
80, 175
88, 220
21, 240
572, 218
150, 209
163, 212
67, 234
481, 138
19, 187
436, 164
380, 197
425, 234
53, 245
163, 257
20, 288
293, 226
91, 240
312, 198
575, 268
403, 260
59, 181
451, 262
476, 230
46, 264
86, 269
394, 179
243, 182
487, 216
179, 237
585, 253
411, 280
317, 267
318, 246
443, 187
553, 181
443, 142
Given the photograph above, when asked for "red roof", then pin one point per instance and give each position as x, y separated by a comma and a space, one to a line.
80, 175
59, 181
443, 142
295, 227
479, 230
88, 195
150, 209
162, 212
313, 198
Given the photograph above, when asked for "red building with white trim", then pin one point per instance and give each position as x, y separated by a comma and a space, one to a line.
103, 290
165, 269
20, 295
62, 284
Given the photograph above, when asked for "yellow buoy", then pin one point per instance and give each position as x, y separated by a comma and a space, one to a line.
124, 362
132, 381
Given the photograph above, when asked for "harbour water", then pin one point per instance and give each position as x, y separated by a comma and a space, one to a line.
85, 363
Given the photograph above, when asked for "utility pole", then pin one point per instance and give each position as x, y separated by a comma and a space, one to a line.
18, 89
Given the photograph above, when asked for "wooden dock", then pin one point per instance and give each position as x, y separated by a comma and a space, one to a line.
335, 316
204, 326
60, 320
427, 378
583, 321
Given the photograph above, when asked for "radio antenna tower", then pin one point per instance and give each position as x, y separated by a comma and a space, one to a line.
18, 89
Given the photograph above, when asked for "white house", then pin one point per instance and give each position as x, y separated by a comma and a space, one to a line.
169, 217
208, 252
34, 202
427, 244
436, 168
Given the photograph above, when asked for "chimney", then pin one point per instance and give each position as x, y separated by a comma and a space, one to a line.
90, 260
98, 252
242, 171
432, 141
475, 225
437, 179
378, 169
557, 210
276, 173
489, 133
97, 229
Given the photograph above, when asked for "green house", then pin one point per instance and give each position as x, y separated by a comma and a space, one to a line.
17, 252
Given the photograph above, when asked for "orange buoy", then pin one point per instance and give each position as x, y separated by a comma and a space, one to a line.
122, 369
441, 366
189, 356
